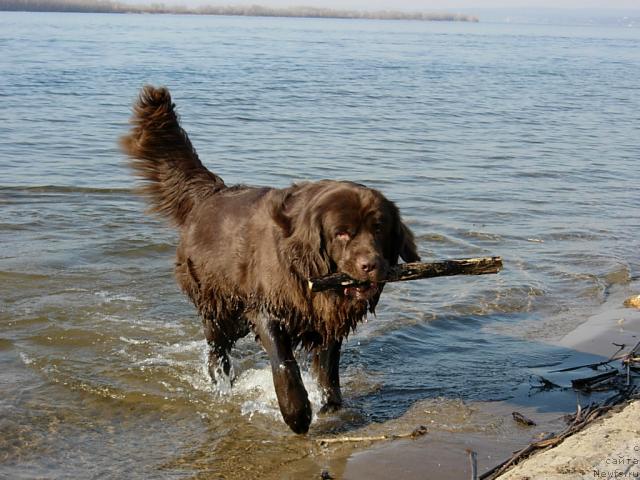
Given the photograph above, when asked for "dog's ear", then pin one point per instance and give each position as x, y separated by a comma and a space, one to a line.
278, 211
299, 220
306, 221
406, 243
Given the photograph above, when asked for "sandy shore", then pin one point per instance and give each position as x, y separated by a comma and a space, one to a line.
609, 448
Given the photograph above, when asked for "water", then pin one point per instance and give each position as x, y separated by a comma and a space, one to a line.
511, 140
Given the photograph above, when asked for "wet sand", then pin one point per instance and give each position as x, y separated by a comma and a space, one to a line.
609, 448
443, 455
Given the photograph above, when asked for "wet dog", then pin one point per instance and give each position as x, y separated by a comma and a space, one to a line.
245, 254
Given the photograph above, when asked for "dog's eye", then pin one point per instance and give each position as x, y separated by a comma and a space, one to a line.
377, 227
343, 235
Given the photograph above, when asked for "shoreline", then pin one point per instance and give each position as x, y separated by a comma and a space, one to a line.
446, 456
607, 448
107, 6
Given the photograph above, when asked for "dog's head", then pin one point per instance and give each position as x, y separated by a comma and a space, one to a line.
345, 227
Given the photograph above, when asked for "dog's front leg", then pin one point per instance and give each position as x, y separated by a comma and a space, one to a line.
292, 396
326, 369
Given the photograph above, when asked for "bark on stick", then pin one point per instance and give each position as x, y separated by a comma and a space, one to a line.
414, 271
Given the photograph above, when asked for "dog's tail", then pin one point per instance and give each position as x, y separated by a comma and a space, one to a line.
162, 154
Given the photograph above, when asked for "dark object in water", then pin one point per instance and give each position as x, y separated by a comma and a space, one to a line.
590, 383
325, 475
522, 420
473, 461
245, 255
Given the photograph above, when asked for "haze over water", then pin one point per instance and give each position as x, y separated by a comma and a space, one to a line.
512, 140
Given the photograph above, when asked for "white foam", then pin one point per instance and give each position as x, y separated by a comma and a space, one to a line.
182, 347
252, 389
133, 341
257, 384
141, 323
158, 360
198, 378
26, 359
109, 297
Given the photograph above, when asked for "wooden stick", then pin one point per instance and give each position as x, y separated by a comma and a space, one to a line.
328, 441
414, 271
418, 432
473, 460
522, 420
589, 382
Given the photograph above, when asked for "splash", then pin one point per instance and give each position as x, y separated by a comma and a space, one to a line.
254, 388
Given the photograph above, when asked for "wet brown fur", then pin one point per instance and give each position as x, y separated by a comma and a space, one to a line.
248, 251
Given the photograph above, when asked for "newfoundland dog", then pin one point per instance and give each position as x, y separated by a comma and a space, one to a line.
245, 254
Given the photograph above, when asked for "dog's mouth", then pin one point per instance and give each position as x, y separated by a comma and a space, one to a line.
362, 292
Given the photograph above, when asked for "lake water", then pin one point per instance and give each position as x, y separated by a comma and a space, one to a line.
512, 140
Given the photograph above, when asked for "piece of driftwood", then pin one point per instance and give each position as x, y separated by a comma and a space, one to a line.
594, 366
414, 271
473, 461
522, 420
418, 432
546, 385
325, 475
590, 383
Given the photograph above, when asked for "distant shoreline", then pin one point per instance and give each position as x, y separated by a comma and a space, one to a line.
100, 6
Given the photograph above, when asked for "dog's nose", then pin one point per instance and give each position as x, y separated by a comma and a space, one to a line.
368, 265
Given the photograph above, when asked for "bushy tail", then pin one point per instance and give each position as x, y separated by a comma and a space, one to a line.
162, 154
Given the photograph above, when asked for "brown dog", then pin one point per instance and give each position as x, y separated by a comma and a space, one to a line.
245, 255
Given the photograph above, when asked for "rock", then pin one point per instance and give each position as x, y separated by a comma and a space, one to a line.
633, 301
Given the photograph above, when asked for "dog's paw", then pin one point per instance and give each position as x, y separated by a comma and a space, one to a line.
330, 407
221, 374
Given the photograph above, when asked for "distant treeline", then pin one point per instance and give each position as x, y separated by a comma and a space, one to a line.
105, 6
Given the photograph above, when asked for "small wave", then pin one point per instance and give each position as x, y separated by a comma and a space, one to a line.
487, 236
109, 297
133, 341
104, 391
158, 361
26, 359
141, 323
65, 378
434, 237
538, 174
620, 275
580, 235
136, 248
182, 347
7, 276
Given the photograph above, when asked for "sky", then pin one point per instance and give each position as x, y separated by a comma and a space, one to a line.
449, 5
